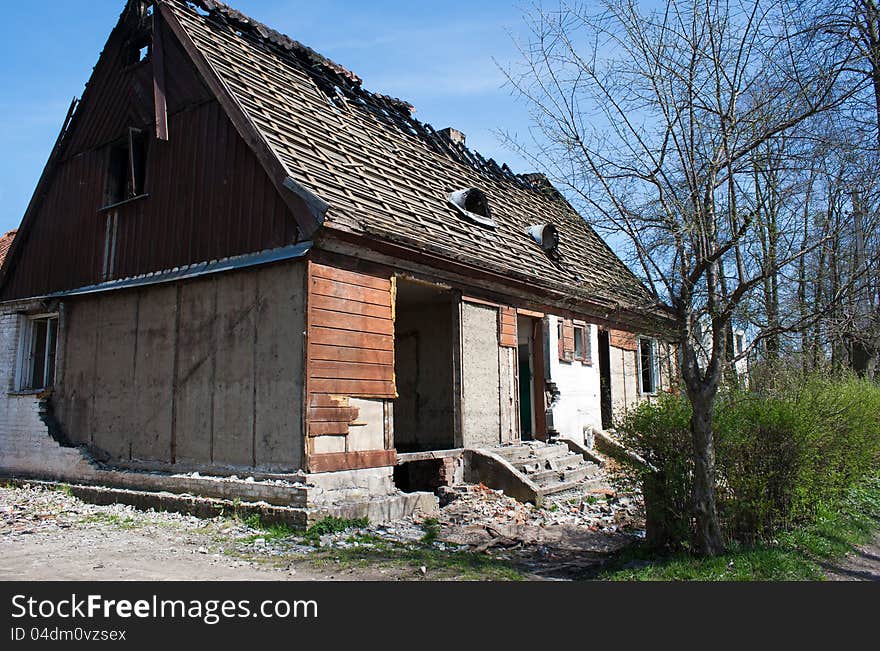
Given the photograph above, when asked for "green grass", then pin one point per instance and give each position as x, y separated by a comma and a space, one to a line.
794, 556
112, 519
438, 563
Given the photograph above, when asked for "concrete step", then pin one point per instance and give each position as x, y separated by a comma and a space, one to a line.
548, 477
569, 460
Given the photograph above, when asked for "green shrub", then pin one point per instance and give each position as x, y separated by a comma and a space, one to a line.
780, 453
659, 432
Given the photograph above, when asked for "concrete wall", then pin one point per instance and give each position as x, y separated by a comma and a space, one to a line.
206, 372
480, 376
424, 410
579, 403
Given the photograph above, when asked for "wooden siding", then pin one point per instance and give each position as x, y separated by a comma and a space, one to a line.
351, 334
566, 345
350, 354
507, 336
208, 195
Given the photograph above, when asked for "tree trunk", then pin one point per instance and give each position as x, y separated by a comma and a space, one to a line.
709, 541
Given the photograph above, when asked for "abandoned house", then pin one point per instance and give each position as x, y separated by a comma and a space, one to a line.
239, 263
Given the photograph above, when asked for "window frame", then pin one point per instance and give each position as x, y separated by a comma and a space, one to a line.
126, 181
24, 380
655, 366
586, 355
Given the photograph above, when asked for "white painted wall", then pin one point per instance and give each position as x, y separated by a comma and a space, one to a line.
579, 402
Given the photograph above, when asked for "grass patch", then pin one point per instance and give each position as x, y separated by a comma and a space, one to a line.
795, 556
126, 522
438, 563
331, 525
268, 531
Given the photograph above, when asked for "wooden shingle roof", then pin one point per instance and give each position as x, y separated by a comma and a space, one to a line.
386, 175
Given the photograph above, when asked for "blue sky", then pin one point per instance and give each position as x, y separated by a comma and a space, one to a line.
436, 55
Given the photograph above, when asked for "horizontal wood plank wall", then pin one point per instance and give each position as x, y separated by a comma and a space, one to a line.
623, 339
507, 336
350, 355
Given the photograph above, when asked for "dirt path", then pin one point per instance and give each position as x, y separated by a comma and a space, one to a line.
863, 564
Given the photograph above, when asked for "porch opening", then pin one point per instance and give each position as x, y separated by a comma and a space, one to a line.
424, 410
530, 349
605, 379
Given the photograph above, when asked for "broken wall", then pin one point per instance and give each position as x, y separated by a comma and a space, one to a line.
206, 372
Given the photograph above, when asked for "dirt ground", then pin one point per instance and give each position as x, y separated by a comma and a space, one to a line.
861, 565
47, 534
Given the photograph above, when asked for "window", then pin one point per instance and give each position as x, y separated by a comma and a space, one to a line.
37, 352
582, 343
126, 168
648, 370
739, 344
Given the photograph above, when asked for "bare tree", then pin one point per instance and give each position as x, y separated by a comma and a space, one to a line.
653, 122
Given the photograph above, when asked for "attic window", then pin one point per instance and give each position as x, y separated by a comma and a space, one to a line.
473, 204
126, 168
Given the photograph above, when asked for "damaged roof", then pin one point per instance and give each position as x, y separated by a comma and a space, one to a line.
5, 244
388, 176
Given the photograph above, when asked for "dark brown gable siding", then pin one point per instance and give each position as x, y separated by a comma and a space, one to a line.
209, 196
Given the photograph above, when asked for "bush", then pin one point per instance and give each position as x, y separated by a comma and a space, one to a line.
780, 454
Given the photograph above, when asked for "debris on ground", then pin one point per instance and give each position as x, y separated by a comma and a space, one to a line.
568, 537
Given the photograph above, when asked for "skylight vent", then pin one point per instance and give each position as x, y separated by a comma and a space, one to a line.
547, 237
474, 205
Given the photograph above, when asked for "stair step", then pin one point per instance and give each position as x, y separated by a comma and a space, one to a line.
550, 477
513, 452
570, 460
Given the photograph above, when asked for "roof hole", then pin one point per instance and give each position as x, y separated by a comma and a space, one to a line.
547, 237
473, 204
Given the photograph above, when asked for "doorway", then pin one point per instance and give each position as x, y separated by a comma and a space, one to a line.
424, 410
530, 357
605, 379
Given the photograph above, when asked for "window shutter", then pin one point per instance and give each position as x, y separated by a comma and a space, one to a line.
507, 335
588, 344
566, 350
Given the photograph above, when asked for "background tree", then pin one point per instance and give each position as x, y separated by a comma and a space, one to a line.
667, 128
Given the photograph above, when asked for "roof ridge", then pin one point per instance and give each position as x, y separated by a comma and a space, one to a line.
353, 84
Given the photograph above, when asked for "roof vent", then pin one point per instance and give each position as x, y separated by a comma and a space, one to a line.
473, 204
454, 136
546, 235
